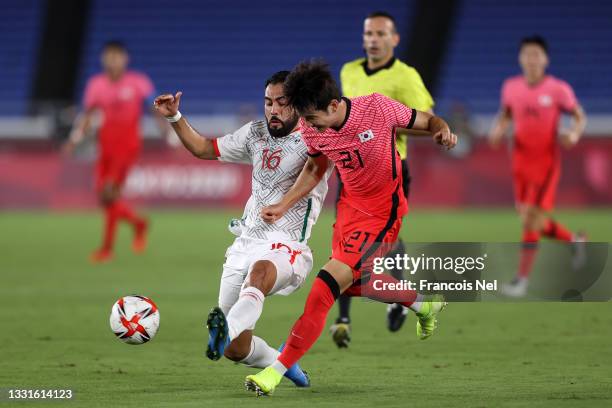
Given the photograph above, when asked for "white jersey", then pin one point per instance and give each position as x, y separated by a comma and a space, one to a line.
277, 162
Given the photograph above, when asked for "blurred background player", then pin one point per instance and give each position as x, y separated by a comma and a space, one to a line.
383, 73
535, 101
265, 259
358, 136
121, 95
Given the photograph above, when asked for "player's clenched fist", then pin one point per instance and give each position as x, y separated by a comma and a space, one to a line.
167, 105
272, 213
445, 138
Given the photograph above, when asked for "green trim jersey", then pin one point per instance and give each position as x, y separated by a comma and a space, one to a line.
395, 80
277, 162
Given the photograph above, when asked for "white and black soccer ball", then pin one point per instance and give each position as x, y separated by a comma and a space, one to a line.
134, 319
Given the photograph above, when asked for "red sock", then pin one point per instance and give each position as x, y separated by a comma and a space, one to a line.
110, 226
552, 229
125, 212
309, 326
528, 252
375, 290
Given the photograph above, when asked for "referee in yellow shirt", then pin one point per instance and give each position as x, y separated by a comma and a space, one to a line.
381, 72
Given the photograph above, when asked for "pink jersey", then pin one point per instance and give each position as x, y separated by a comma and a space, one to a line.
364, 152
535, 112
121, 103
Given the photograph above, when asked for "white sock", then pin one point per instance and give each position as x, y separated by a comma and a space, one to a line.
279, 367
417, 304
245, 312
261, 355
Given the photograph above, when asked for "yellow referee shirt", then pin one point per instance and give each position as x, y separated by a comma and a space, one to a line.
395, 80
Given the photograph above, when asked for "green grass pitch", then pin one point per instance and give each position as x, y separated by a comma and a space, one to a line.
54, 309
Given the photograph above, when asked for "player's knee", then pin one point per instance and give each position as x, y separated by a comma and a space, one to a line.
262, 276
533, 219
236, 351
105, 199
107, 195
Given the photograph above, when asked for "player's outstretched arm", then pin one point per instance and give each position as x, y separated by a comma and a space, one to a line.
310, 176
167, 105
500, 127
426, 124
571, 136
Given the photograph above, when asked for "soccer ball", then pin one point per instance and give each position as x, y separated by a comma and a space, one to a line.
134, 319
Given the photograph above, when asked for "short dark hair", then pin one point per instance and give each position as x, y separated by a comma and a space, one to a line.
114, 45
277, 78
310, 85
536, 40
383, 14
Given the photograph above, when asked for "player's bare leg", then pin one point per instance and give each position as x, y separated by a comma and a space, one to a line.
232, 335
336, 277
249, 306
244, 313
240, 347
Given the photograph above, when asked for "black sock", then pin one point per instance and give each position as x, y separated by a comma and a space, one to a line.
400, 249
344, 304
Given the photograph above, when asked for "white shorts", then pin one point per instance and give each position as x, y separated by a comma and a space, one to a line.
293, 261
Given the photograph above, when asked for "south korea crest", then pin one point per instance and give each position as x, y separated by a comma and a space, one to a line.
545, 100
365, 136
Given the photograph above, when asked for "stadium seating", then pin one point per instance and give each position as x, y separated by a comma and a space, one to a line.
220, 57
20, 28
483, 49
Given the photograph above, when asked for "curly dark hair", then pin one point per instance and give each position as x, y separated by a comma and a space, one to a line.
310, 85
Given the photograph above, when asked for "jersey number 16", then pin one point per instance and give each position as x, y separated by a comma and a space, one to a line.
270, 160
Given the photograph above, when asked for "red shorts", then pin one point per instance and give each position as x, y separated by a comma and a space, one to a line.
537, 193
113, 169
358, 238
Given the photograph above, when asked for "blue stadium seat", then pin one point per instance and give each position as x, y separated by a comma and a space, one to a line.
20, 29
483, 49
220, 56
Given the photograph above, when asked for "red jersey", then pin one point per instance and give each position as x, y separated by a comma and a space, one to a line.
536, 110
121, 103
363, 150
